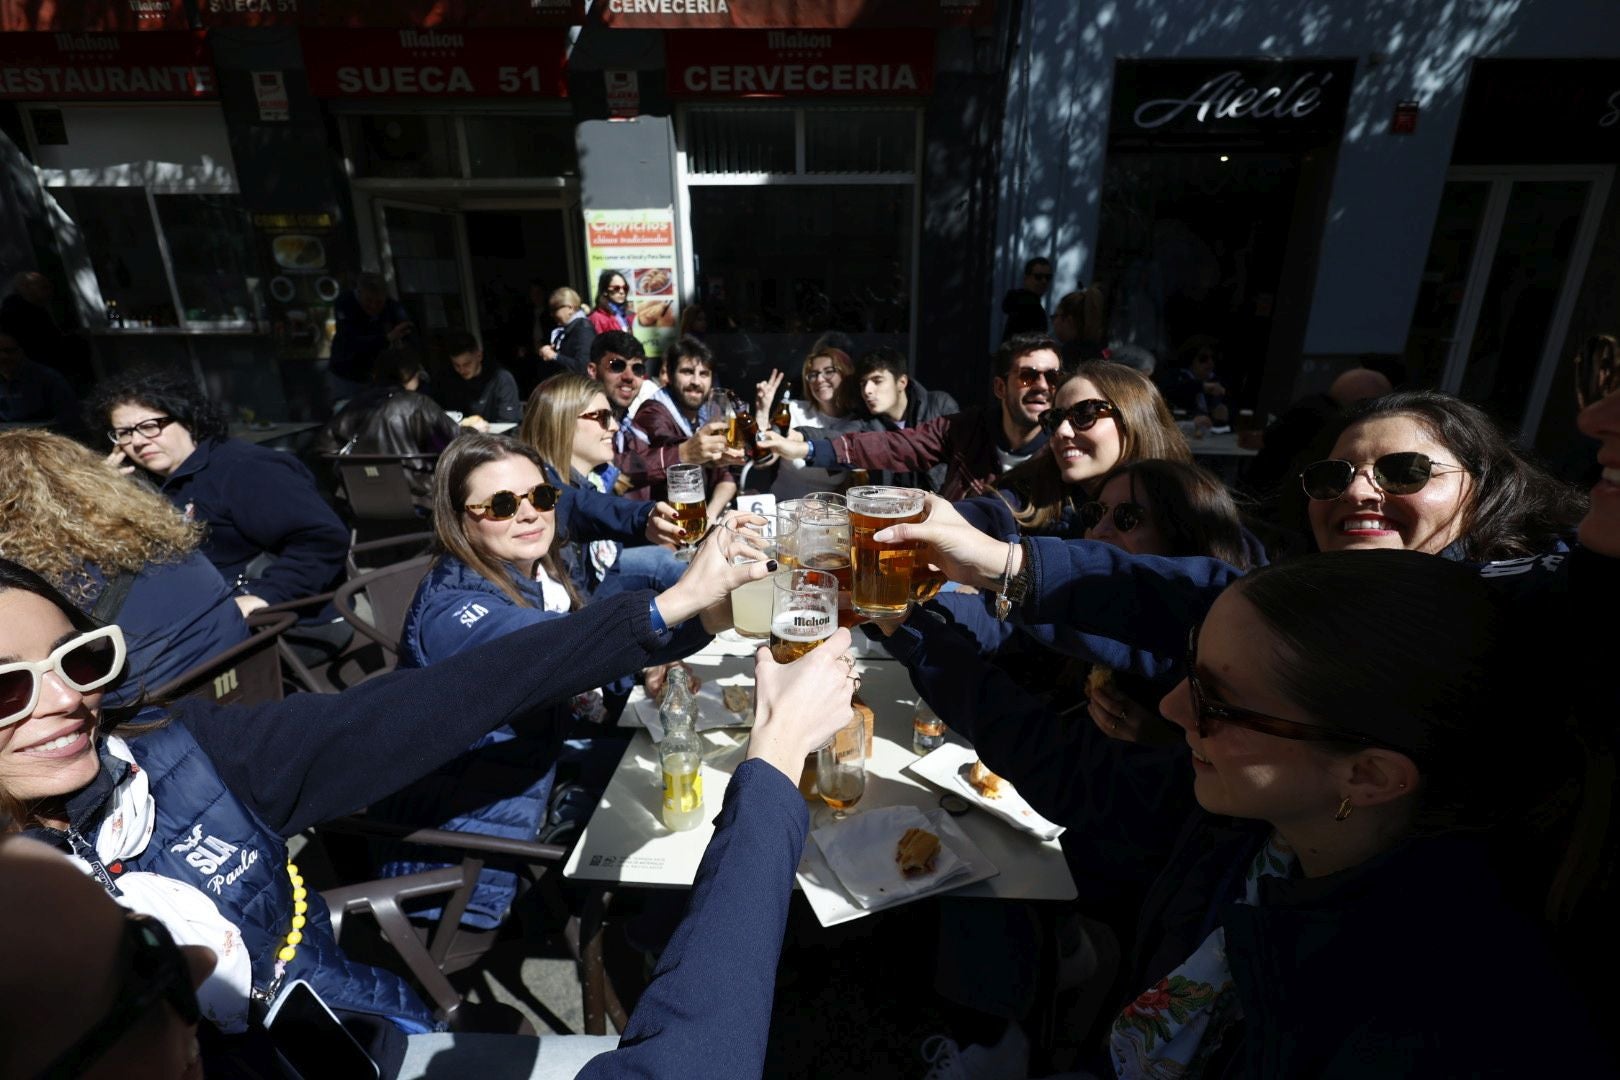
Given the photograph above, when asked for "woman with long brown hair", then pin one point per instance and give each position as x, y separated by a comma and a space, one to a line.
831, 404
116, 548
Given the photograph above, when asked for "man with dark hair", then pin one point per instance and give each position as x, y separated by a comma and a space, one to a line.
480, 390
897, 402
1024, 306
619, 362
975, 446
677, 417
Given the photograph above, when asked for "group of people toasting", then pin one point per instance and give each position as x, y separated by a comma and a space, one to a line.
1344, 814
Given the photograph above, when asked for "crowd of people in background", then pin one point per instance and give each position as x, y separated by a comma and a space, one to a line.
1332, 742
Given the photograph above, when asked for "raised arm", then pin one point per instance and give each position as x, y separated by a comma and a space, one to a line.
584, 513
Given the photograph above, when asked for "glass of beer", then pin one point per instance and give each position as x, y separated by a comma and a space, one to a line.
823, 544
787, 531
804, 612
882, 586
841, 769
687, 496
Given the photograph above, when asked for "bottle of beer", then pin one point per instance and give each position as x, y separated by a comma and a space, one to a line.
782, 415
680, 754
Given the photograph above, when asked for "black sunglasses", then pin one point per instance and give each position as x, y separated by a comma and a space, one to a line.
1127, 515
1052, 377
1082, 415
618, 363
1403, 473
1206, 712
503, 505
153, 969
601, 416
1597, 374
146, 429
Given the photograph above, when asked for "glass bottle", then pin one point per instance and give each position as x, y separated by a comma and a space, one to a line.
927, 730
680, 754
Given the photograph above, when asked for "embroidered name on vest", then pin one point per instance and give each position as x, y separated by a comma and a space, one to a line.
206, 854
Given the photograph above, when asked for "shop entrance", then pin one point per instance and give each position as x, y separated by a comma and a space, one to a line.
1509, 250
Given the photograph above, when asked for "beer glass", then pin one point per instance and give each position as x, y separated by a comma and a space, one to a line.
882, 572
752, 602
841, 769
687, 496
823, 544
804, 612
787, 531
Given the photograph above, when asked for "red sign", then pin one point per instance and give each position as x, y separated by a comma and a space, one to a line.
91, 66
631, 234
103, 15
792, 14
395, 13
788, 63
435, 63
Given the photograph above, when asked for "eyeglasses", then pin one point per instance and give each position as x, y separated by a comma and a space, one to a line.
601, 416
1403, 473
1597, 374
621, 287
146, 429
1052, 377
821, 373
153, 969
1082, 415
85, 663
1206, 712
617, 365
503, 505
1127, 515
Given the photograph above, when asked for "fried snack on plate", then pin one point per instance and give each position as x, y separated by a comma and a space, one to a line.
984, 781
917, 851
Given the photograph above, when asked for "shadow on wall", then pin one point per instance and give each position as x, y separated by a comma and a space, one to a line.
1059, 88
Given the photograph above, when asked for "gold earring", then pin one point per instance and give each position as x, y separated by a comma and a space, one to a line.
1344, 810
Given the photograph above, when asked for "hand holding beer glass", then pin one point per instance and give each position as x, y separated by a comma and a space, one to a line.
883, 572
804, 612
687, 496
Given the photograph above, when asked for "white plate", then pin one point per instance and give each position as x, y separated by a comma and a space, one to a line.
712, 711
947, 767
831, 901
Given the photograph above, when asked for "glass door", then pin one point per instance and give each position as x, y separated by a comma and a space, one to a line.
423, 253
1524, 235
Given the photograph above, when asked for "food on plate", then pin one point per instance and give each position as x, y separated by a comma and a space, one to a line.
651, 312
984, 781
738, 699
917, 851
654, 281
1099, 678
298, 252
474, 421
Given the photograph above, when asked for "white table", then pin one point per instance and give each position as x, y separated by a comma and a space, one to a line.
626, 841
501, 427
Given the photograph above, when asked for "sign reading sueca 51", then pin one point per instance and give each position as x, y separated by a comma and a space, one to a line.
783, 63
435, 63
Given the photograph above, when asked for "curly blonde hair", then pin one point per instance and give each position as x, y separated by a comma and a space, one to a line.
63, 510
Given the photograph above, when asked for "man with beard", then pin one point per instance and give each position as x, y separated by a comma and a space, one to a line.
975, 446
668, 427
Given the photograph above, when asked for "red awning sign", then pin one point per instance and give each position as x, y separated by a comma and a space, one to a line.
789, 63
107, 16
792, 14
394, 13
435, 63
158, 66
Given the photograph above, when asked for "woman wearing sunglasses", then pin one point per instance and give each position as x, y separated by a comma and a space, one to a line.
1429, 472
118, 550
184, 816
612, 311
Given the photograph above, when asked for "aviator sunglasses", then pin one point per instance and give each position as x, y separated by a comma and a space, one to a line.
1082, 415
1127, 515
84, 662
503, 505
1403, 473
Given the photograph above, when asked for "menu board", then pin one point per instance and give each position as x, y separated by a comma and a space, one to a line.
640, 244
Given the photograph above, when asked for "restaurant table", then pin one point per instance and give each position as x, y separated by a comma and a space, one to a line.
627, 843
267, 434
501, 427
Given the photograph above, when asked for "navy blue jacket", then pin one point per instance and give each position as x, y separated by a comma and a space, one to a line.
284, 766
360, 337
583, 513
731, 937
502, 785
257, 501
176, 616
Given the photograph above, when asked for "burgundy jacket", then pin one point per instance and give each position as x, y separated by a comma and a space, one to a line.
964, 442
650, 450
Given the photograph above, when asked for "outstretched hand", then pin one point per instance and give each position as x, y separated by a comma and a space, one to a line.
965, 554
799, 707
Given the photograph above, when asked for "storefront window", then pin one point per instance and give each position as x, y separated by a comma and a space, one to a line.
499, 147
398, 146
860, 140
208, 238
741, 141
121, 239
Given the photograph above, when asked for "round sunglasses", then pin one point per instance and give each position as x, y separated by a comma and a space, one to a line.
84, 662
1082, 415
503, 505
1127, 515
1403, 473
617, 364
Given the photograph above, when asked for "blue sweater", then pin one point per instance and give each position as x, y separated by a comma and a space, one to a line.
257, 501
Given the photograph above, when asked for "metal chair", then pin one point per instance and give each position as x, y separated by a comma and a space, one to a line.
249, 672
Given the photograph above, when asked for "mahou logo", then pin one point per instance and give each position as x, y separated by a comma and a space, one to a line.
87, 43
786, 39
429, 39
